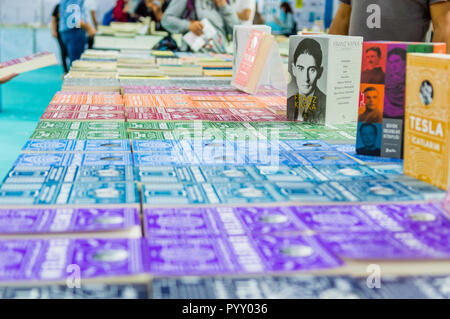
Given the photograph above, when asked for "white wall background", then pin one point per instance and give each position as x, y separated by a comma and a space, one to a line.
38, 12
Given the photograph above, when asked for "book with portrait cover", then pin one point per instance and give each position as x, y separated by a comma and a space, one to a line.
324, 78
427, 146
382, 96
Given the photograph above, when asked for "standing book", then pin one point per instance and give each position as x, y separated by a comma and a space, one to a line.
427, 144
325, 77
381, 112
253, 62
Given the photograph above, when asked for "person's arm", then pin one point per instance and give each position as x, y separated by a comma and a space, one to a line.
94, 19
228, 13
171, 20
7, 78
440, 16
54, 27
90, 30
157, 12
341, 21
245, 14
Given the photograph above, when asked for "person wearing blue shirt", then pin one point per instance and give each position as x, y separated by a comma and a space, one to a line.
73, 27
288, 24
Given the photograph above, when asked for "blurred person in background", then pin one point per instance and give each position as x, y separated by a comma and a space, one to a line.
57, 36
288, 26
153, 9
245, 10
406, 20
121, 12
258, 17
183, 16
91, 7
74, 28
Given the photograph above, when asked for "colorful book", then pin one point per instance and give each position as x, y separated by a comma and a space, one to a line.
254, 59
106, 194
28, 223
69, 174
427, 148
236, 255
381, 111
52, 261
325, 78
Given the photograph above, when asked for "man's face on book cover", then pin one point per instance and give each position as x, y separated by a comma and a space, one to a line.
369, 136
373, 60
306, 73
372, 100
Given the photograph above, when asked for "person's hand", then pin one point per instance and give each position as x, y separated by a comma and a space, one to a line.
196, 27
54, 34
91, 32
7, 78
220, 3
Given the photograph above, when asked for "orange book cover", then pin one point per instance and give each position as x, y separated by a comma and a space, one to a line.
427, 144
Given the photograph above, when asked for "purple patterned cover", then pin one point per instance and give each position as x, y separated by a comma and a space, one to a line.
374, 218
194, 221
66, 220
236, 255
48, 260
394, 246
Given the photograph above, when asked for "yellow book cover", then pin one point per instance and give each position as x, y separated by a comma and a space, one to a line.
426, 150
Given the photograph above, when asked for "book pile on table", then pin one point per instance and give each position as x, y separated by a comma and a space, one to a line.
222, 187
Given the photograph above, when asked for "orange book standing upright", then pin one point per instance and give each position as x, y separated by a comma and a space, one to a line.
427, 139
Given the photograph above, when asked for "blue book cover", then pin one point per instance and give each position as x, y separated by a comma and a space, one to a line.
77, 159
300, 287
69, 194
68, 174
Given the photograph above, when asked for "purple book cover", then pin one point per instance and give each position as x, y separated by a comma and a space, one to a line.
417, 218
66, 220
236, 255
48, 260
192, 221
389, 246
323, 219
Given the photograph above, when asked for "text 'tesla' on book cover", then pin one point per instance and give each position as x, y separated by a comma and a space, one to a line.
427, 118
324, 78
